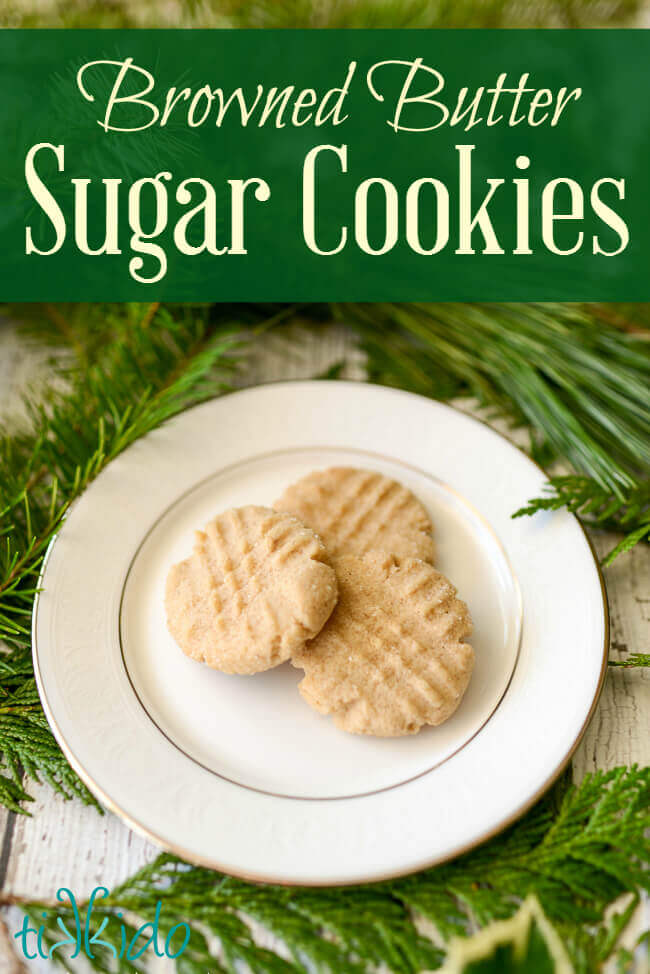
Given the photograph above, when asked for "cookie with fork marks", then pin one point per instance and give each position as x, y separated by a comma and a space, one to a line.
392, 657
356, 511
256, 587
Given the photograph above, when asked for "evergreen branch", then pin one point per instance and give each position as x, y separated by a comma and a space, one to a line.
630, 540
600, 508
371, 13
319, 13
26, 744
77, 333
578, 382
597, 506
144, 365
583, 389
128, 369
524, 944
633, 660
143, 377
578, 850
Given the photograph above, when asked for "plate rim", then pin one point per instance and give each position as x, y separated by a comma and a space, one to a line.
208, 861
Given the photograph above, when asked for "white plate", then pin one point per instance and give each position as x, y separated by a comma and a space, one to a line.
238, 772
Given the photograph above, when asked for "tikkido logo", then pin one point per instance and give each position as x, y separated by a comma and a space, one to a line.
126, 941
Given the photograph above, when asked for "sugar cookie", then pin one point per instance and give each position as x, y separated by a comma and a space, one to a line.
391, 658
355, 511
255, 589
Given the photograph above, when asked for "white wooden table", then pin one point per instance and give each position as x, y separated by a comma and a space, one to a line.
65, 842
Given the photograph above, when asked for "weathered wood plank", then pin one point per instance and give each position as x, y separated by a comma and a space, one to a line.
618, 733
65, 843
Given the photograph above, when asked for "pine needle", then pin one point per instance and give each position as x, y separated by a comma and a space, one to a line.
580, 383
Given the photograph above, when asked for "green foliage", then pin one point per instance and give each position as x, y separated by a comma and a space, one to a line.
317, 13
628, 510
122, 370
581, 385
634, 660
590, 947
525, 943
373, 13
145, 371
578, 850
143, 365
600, 508
572, 851
577, 381
26, 744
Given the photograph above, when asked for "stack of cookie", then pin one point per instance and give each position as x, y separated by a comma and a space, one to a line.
339, 579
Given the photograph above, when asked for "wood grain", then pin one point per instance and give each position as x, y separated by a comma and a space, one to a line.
67, 843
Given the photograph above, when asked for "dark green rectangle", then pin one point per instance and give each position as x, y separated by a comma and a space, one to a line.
587, 235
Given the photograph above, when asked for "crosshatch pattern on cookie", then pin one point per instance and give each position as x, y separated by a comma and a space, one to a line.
255, 588
392, 657
356, 511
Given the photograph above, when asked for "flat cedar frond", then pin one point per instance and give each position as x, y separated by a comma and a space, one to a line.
525, 943
578, 850
145, 365
596, 505
599, 507
26, 744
